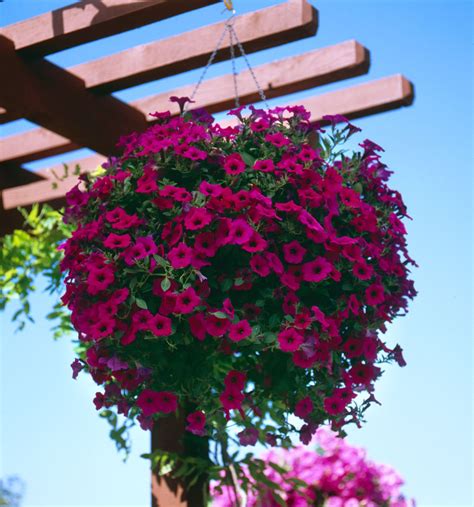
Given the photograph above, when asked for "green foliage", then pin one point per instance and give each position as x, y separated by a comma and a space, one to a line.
27, 253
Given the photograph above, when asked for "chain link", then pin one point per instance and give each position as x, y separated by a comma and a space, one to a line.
233, 37
234, 68
254, 77
211, 59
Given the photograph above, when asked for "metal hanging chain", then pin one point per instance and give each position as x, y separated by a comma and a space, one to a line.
230, 29
233, 37
254, 77
211, 59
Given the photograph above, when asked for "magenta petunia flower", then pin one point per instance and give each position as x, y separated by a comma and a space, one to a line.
197, 218
239, 232
187, 301
196, 423
240, 330
248, 436
160, 325
362, 270
99, 279
197, 326
151, 402
117, 240
180, 256
278, 139
216, 326
374, 294
334, 405
233, 164
231, 399
266, 165
235, 380
304, 407
290, 340
293, 252
317, 270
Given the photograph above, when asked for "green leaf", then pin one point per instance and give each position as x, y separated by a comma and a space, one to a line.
141, 303
165, 284
247, 158
220, 315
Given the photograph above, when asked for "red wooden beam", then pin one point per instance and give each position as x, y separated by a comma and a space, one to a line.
280, 24
258, 30
90, 20
278, 78
288, 75
354, 102
50, 96
33, 145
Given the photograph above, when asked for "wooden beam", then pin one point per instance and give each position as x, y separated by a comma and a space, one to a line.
53, 98
280, 24
288, 75
362, 100
51, 189
292, 20
278, 78
33, 145
353, 102
90, 20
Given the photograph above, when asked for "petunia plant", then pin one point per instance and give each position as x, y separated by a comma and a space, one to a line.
238, 274
335, 474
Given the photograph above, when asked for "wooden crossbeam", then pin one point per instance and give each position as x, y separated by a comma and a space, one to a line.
90, 20
288, 75
355, 101
33, 145
280, 24
51, 97
292, 20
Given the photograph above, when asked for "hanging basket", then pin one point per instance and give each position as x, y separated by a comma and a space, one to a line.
246, 271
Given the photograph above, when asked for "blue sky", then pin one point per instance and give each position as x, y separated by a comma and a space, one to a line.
50, 433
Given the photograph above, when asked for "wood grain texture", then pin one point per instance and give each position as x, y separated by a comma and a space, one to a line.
288, 75
51, 97
90, 20
257, 30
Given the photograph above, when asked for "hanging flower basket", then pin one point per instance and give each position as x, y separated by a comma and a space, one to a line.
246, 272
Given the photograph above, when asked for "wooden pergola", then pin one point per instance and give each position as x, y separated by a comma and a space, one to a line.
74, 108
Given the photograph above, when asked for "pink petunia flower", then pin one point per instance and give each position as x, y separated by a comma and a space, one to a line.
248, 436
117, 240
187, 301
180, 256
304, 407
239, 232
317, 270
290, 340
233, 164
374, 294
362, 270
197, 218
160, 325
196, 423
293, 252
151, 402
266, 166
240, 330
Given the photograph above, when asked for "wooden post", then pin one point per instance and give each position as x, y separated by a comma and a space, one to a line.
169, 434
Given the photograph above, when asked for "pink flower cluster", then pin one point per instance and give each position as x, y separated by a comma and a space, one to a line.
338, 475
245, 271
